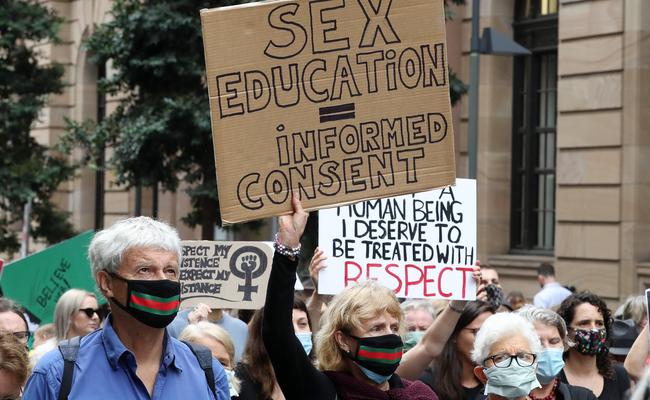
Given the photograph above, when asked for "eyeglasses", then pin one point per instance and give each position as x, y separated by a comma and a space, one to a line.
23, 336
504, 360
91, 311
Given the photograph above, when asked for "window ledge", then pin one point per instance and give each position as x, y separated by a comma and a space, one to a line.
643, 268
514, 265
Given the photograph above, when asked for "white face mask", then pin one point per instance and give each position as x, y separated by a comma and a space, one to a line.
233, 382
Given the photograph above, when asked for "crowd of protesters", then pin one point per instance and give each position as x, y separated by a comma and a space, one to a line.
361, 344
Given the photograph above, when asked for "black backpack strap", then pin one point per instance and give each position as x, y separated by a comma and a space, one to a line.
204, 356
69, 349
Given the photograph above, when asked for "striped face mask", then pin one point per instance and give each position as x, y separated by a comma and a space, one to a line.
378, 356
154, 303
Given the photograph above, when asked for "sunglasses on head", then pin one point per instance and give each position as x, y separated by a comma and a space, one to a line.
90, 311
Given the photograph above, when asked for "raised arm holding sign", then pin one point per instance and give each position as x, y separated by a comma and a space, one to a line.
359, 348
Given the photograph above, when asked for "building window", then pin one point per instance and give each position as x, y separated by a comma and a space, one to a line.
534, 128
535, 8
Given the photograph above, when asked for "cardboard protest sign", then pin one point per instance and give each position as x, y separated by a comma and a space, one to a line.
36, 282
339, 101
225, 274
421, 245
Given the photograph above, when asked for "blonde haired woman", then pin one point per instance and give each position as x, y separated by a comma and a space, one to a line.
358, 347
220, 344
76, 314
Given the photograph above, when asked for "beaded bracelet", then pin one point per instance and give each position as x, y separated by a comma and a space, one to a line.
284, 250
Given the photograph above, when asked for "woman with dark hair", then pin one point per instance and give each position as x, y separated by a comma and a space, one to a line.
451, 373
255, 370
302, 325
588, 363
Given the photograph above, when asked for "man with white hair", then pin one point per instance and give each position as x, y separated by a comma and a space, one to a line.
505, 353
135, 263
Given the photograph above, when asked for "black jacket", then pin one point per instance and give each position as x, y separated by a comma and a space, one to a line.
296, 375
568, 392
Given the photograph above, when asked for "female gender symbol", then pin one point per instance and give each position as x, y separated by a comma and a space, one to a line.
252, 266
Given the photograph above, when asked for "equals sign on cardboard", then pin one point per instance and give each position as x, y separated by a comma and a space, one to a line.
336, 113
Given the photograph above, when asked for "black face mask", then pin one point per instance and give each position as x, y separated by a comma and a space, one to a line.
379, 354
154, 303
494, 295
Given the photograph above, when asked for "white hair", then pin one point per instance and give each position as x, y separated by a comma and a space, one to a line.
500, 326
109, 245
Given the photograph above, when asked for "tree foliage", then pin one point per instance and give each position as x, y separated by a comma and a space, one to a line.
160, 132
27, 169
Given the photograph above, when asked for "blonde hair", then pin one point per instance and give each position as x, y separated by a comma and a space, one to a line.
13, 358
347, 312
205, 329
634, 308
67, 305
45, 332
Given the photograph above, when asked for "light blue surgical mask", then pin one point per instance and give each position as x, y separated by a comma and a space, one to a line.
305, 341
373, 376
549, 364
512, 382
411, 339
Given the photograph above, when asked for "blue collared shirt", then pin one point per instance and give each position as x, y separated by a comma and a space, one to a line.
105, 369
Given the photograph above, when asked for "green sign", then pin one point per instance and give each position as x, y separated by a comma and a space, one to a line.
36, 282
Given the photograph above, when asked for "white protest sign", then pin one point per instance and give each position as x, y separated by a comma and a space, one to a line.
225, 274
420, 245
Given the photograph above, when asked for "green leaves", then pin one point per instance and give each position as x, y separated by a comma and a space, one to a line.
160, 133
28, 169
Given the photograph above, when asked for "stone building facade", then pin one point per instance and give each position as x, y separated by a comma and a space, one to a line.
564, 139
94, 199
572, 121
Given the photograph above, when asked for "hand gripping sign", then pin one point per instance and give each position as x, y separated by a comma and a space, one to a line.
420, 245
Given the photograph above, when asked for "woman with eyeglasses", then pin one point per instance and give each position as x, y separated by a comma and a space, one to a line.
505, 353
76, 314
552, 332
588, 363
